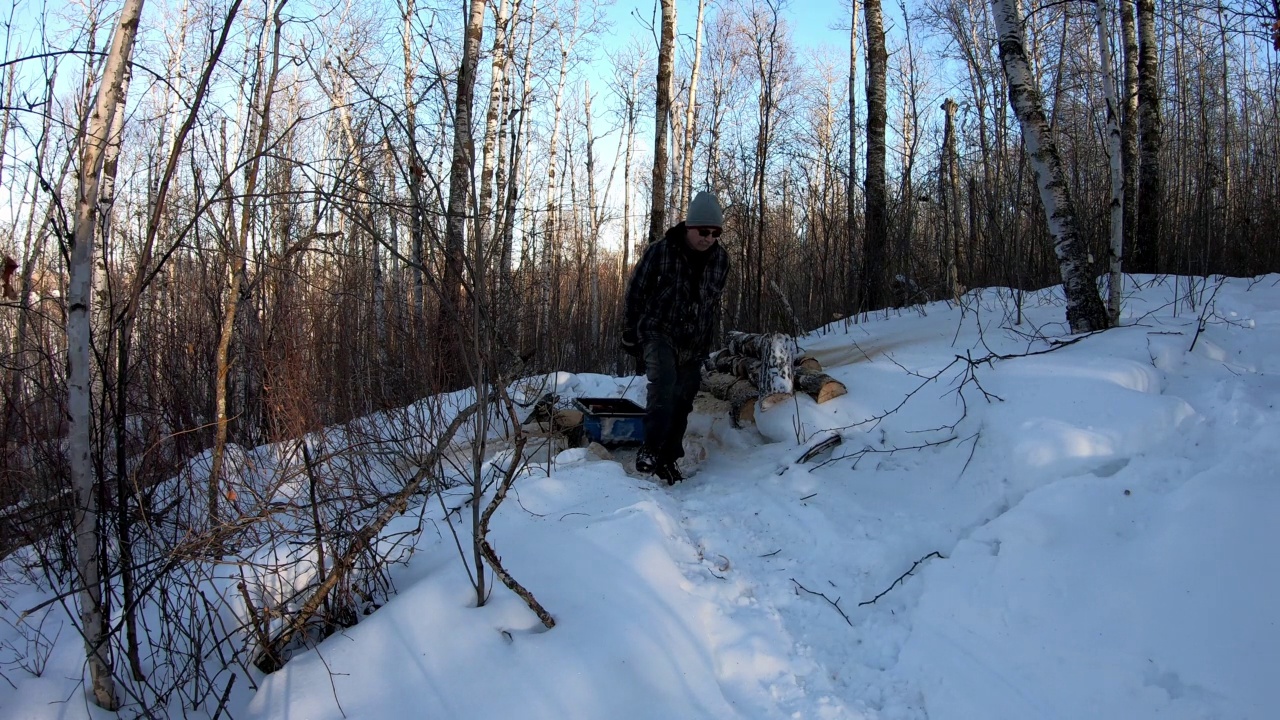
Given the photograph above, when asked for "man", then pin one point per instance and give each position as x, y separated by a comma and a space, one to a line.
672, 302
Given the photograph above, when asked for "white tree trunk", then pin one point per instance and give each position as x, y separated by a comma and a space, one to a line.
1117, 170
523, 166
416, 169
79, 353
806, 373
460, 172
691, 112
1085, 312
488, 156
661, 112
851, 209
549, 233
777, 353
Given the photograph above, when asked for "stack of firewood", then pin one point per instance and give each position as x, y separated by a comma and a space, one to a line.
766, 370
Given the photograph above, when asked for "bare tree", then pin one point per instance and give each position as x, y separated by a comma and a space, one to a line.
875, 241
950, 198
109, 102
1114, 143
691, 112
459, 193
1145, 253
627, 69
416, 169
766, 32
595, 218
661, 114
488, 157
1085, 312
851, 207
1129, 123
264, 88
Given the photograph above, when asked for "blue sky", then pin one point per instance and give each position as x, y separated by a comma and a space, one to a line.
815, 23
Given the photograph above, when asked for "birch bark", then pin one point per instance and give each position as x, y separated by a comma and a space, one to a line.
1145, 253
456, 232
875, 241
109, 100
661, 111
851, 207
1085, 312
1114, 150
1129, 122
691, 112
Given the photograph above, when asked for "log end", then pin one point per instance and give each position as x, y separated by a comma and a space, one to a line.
830, 390
809, 363
773, 399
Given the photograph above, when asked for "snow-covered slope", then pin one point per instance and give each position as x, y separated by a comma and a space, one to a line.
1092, 529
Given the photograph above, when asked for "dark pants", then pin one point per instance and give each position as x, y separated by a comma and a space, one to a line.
674, 378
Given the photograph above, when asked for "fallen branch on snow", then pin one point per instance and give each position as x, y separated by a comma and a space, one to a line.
834, 603
902, 577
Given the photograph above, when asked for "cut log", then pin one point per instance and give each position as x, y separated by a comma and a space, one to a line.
723, 361
772, 399
761, 345
808, 362
738, 392
819, 386
736, 365
776, 352
751, 369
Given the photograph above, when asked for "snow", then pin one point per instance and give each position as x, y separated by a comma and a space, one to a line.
1092, 527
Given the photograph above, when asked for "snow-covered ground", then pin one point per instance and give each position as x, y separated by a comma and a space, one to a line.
1093, 529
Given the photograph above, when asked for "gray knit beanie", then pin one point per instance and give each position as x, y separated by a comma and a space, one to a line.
704, 211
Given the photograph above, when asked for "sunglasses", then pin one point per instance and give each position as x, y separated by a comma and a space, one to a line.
705, 231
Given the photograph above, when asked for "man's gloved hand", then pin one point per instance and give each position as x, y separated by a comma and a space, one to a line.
631, 343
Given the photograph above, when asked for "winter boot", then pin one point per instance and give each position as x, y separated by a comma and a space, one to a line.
646, 461
670, 472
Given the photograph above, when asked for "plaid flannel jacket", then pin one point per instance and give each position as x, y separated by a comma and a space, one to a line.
665, 299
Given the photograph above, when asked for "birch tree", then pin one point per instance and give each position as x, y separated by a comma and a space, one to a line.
110, 100
851, 208
875, 241
460, 168
691, 112
417, 224
594, 218
568, 38
1085, 312
949, 187
1145, 253
456, 230
1129, 123
1115, 153
489, 155
661, 114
